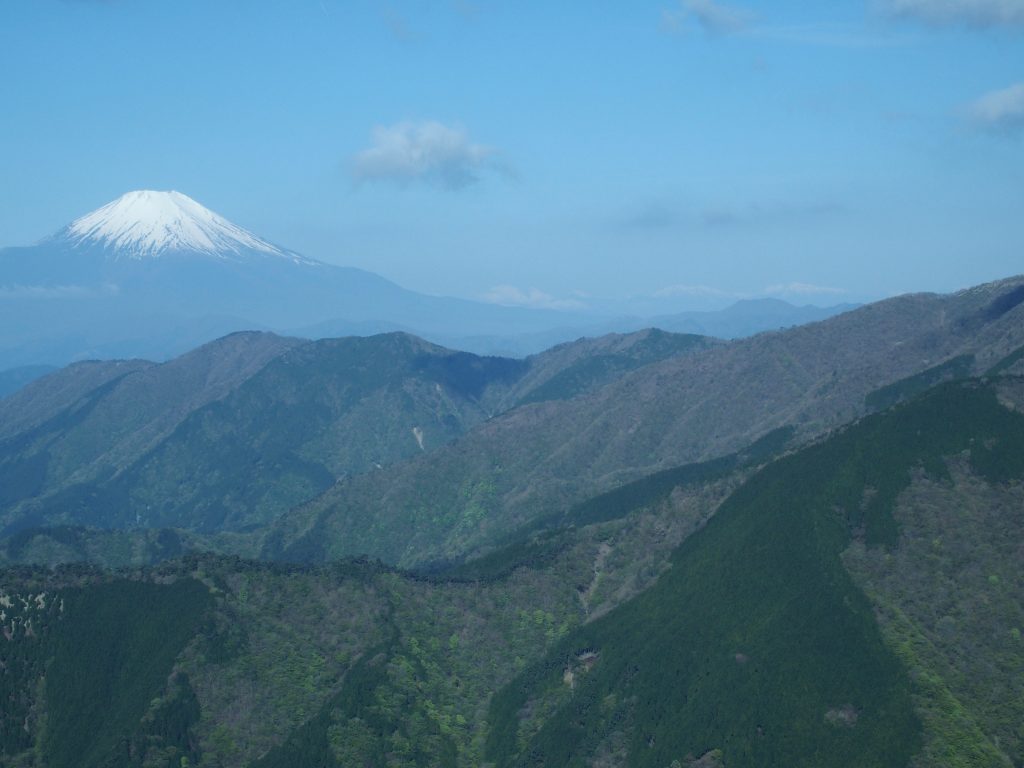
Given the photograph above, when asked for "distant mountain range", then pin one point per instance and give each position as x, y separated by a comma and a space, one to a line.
391, 446
685, 408
856, 602
154, 274
653, 549
130, 444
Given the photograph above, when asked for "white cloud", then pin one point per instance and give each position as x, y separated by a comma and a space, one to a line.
1001, 111
802, 289
713, 17
511, 296
976, 13
423, 151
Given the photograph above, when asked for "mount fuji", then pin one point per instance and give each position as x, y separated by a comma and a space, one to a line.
147, 224
153, 274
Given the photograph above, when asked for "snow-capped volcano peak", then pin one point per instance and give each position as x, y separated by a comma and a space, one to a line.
146, 224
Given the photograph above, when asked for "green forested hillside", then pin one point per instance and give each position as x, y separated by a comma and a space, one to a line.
112, 549
281, 428
552, 455
759, 646
586, 365
113, 651
235, 433
395, 448
856, 602
83, 425
13, 379
85, 671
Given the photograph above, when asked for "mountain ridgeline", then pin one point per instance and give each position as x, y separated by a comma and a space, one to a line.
650, 550
237, 432
542, 457
393, 447
814, 611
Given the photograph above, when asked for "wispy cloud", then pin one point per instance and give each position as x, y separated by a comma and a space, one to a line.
789, 290
398, 25
664, 215
57, 291
975, 13
802, 289
511, 296
712, 17
429, 152
718, 20
1000, 111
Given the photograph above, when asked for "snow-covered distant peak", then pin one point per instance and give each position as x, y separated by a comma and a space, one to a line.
147, 224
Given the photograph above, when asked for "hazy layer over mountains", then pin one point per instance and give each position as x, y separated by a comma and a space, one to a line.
394, 447
154, 274
650, 549
852, 601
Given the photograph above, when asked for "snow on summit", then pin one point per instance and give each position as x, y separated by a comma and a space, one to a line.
146, 224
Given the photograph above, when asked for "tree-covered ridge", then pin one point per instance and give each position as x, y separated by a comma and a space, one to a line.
573, 369
644, 628
286, 422
231, 435
13, 379
756, 642
521, 465
958, 367
272, 658
111, 549
402, 450
27, 618
112, 655
86, 671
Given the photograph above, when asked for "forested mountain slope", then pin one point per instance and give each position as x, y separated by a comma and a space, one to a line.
249, 415
550, 455
857, 602
236, 432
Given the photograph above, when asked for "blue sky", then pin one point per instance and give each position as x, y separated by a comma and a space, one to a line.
543, 153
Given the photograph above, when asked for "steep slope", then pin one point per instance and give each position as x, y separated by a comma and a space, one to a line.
145, 403
550, 455
59, 391
89, 422
758, 647
230, 435
852, 603
586, 365
14, 379
236, 432
95, 659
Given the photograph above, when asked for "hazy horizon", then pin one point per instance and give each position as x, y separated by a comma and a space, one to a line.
695, 152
